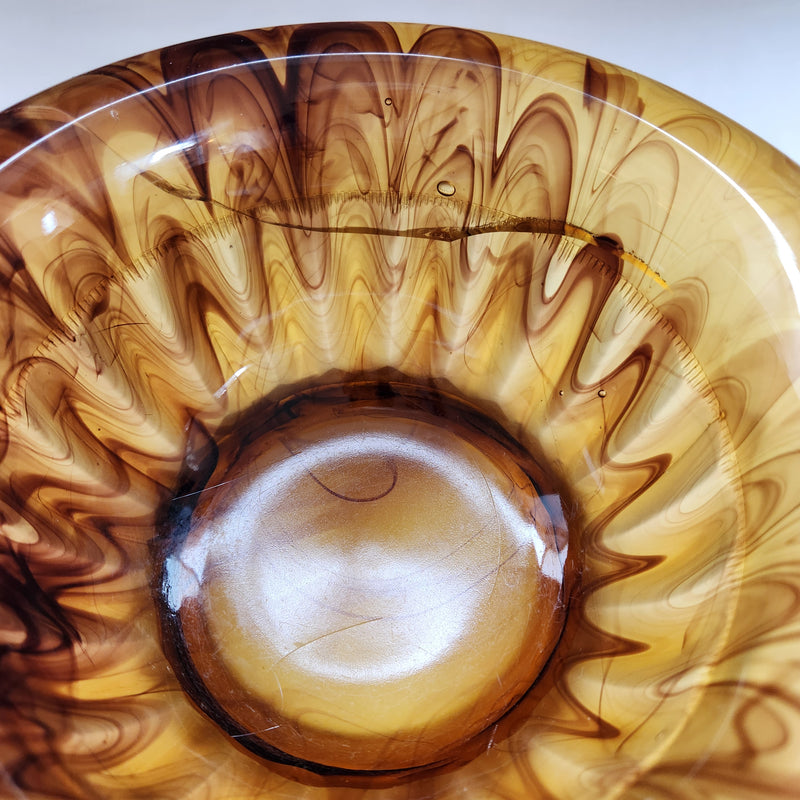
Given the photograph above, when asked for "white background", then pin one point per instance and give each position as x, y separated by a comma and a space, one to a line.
739, 56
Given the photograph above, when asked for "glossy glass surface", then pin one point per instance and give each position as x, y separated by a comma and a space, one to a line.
487, 333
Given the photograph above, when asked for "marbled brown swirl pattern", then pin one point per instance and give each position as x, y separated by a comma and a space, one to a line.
604, 266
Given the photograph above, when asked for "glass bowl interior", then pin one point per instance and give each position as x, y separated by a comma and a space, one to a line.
481, 272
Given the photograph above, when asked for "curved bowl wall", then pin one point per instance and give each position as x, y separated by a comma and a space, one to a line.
601, 267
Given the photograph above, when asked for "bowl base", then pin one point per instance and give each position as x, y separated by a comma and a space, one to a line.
370, 579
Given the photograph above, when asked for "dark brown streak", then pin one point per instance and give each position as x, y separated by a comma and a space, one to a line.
347, 498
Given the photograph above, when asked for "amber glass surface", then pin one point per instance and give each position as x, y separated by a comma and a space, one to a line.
395, 413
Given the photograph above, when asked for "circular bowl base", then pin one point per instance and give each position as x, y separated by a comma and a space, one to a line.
367, 582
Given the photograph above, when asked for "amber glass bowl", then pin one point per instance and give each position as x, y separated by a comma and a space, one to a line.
393, 412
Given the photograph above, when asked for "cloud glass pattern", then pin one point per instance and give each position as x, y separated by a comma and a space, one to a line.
395, 413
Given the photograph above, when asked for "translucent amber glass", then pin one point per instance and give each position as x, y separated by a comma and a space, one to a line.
393, 412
